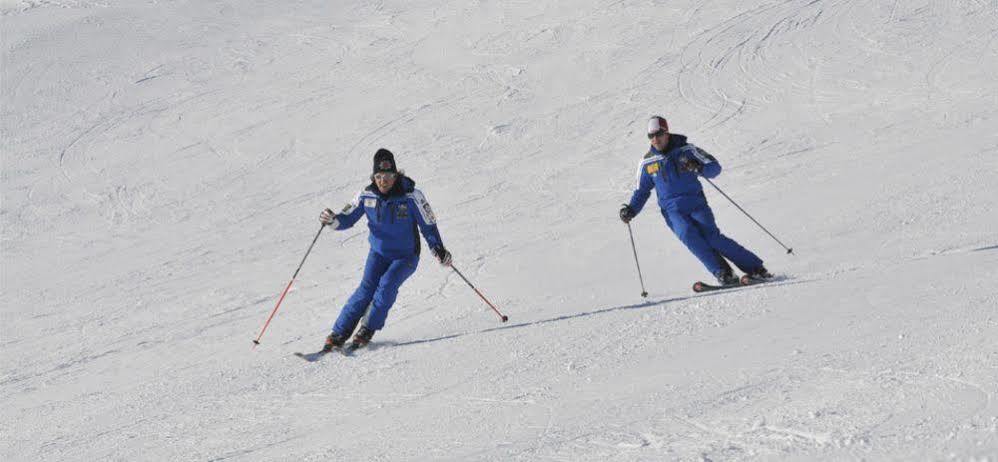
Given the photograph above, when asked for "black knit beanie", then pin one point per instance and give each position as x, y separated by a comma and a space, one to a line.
384, 161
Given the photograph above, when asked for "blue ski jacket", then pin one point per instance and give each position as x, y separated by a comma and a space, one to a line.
393, 219
677, 190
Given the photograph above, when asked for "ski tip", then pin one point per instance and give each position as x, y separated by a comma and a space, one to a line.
311, 357
698, 286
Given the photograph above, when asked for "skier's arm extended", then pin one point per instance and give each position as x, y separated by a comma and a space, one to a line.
346, 218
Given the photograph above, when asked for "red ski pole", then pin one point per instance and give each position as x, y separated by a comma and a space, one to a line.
272, 313
487, 302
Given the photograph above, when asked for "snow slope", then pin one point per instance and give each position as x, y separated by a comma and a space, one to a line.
164, 163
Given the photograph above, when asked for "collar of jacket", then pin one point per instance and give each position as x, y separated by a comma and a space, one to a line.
403, 185
675, 141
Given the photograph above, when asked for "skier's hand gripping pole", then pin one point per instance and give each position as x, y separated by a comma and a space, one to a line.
279, 300
503, 317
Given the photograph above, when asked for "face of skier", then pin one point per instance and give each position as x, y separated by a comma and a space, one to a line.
659, 139
385, 181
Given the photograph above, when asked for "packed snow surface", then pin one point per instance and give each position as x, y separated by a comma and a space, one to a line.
164, 164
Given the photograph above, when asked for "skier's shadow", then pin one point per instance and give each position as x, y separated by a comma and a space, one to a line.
637, 306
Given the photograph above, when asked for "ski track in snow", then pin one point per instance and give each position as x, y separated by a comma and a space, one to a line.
163, 167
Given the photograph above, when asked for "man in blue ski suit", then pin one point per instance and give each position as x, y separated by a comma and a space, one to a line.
671, 167
395, 209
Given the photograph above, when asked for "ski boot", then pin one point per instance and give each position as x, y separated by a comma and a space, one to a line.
757, 275
361, 338
726, 278
334, 341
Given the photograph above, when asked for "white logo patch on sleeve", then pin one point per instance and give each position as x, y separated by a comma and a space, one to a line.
424, 207
349, 208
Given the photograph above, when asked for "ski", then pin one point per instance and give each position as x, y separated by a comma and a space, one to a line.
743, 281
313, 357
700, 287
746, 280
346, 350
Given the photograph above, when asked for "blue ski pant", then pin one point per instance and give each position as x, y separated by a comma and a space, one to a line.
697, 230
377, 292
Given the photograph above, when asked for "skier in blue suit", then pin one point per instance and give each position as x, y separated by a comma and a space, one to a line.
671, 167
395, 210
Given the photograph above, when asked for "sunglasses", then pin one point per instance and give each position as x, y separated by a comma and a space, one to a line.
385, 176
656, 134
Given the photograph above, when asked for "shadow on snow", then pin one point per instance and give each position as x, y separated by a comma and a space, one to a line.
637, 306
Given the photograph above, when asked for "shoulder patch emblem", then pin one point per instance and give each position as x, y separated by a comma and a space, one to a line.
652, 168
370, 202
428, 212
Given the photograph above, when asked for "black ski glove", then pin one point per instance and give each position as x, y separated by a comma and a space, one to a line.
627, 213
689, 164
442, 255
